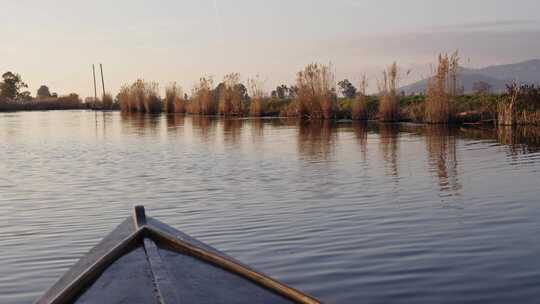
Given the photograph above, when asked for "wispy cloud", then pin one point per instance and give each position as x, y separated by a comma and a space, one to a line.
495, 24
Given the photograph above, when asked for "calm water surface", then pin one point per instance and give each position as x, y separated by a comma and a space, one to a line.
347, 212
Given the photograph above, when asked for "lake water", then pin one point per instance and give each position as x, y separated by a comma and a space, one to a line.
349, 213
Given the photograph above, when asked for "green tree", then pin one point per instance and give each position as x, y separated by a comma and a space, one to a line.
347, 88
11, 86
242, 91
282, 91
43, 92
24, 96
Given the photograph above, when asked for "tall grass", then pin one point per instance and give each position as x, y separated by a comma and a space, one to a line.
388, 98
141, 96
507, 108
441, 88
202, 101
256, 91
124, 99
359, 107
519, 106
65, 102
316, 92
174, 99
230, 100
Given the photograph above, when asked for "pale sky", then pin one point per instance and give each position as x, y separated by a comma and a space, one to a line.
55, 42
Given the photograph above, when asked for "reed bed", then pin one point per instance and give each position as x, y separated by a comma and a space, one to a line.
313, 97
519, 106
359, 107
202, 101
230, 99
441, 88
507, 107
316, 92
256, 91
174, 99
141, 96
388, 98
66, 102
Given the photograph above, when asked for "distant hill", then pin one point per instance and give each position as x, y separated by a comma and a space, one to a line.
497, 76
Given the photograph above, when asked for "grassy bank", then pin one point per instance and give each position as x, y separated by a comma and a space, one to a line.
314, 96
68, 102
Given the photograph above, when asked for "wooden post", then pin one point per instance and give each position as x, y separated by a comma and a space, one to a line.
139, 216
95, 89
102, 80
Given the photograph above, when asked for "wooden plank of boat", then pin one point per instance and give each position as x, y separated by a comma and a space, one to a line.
146, 261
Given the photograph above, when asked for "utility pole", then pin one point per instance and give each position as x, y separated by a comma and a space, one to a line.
102, 80
95, 89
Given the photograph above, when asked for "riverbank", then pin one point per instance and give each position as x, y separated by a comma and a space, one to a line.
314, 96
69, 102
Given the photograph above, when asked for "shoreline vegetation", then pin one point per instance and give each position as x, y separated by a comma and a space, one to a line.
315, 95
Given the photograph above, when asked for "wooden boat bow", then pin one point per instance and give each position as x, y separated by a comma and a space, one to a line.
166, 249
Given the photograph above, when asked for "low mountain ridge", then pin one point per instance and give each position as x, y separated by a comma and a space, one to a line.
497, 76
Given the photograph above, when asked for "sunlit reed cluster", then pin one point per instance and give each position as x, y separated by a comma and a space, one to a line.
316, 92
255, 88
359, 107
141, 96
388, 96
441, 88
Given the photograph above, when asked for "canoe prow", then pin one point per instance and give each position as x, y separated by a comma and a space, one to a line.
146, 261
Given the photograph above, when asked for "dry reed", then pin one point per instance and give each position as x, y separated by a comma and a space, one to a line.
202, 101
441, 88
315, 96
173, 102
359, 106
507, 108
256, 91
388, 99
141, 96
230, 101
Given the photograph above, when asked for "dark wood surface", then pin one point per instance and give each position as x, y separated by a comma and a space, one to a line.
128, 280
226, 287
124, 230
146, 261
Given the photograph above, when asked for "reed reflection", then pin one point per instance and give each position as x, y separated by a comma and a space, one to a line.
317, 139
360, 130
389, 146
232, 130
520, 139
204, 127
442, 155
257, 130
175, 121
142, 124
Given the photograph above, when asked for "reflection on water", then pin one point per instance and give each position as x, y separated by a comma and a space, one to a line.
232, 130
204, 127
347, 211
175, 121
389, 145
442, 153
360, 129
316, 139
140, 123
